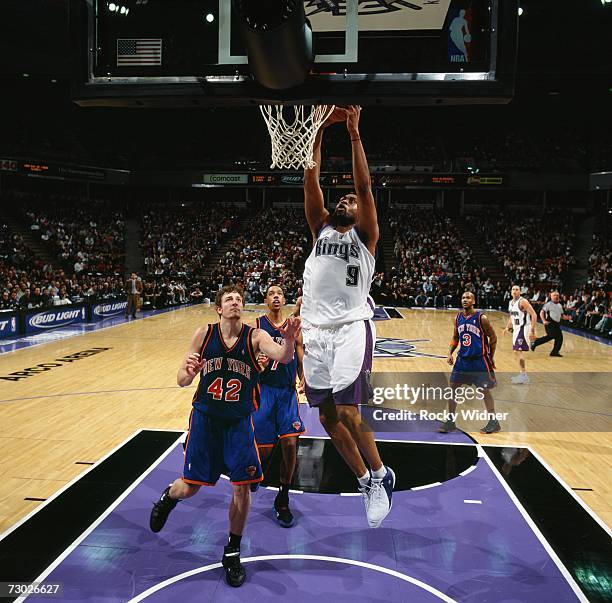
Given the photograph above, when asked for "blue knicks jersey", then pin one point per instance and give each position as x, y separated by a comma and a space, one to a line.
473, 341
229, 381
277, 374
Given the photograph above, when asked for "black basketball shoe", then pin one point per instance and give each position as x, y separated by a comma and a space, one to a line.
235, 574
161, 509
283, 514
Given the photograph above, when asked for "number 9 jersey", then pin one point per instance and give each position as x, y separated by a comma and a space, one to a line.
337, 279
229, 381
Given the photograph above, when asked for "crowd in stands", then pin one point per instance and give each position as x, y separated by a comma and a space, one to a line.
88, 237
86, 240
431, 265
589, 310
271, 250
533, 250
177, 244
591, 306
13, 249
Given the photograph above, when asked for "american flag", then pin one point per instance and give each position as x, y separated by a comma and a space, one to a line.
137, 52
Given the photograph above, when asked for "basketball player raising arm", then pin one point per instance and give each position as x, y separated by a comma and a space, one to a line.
336, 311
361, 203
221, 435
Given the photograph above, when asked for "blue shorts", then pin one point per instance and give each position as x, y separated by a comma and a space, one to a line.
278, 415
476, 370
216, 446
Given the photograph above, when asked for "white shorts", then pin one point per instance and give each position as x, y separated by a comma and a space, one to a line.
338, 362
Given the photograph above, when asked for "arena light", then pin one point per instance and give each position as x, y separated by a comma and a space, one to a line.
520, 11
210, 18
123, 10
111, 7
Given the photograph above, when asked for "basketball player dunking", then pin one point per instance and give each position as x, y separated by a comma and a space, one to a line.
338, 332
522, 322
221, 435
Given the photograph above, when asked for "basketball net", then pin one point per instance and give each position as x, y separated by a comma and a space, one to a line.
293, 140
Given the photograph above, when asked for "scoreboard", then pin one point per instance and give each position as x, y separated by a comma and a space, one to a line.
345, 180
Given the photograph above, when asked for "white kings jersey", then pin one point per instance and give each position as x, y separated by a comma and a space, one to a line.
519, 317
337, 279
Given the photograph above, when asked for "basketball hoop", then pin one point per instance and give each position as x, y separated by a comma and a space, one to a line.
293, 138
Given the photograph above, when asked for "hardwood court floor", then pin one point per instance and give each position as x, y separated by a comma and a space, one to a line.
54, 422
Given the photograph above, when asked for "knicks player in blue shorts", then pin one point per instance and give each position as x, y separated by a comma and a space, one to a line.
476, 339
221, 436
278, 416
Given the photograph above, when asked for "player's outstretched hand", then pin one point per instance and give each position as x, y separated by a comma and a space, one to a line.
353, 112
450, 359
292, 327
505, 331
193, 364
338, 114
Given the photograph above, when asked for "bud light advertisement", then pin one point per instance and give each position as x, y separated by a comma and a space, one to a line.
107, 310
37, 322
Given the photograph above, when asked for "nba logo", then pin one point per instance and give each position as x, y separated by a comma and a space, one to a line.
459, 35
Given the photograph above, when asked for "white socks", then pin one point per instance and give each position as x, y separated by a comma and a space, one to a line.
380, 473
364, 479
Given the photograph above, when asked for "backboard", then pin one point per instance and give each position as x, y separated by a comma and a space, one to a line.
190, 52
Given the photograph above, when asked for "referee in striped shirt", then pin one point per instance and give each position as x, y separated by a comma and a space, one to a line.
551, 315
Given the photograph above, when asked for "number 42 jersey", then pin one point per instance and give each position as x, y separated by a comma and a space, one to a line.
229, 381
337, 279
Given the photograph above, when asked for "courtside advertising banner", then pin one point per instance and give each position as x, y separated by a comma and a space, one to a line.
36, 322
108, 309
9, 324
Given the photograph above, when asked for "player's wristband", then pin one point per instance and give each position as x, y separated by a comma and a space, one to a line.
355, 139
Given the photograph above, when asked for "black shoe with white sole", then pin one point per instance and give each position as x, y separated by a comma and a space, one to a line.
235, 574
